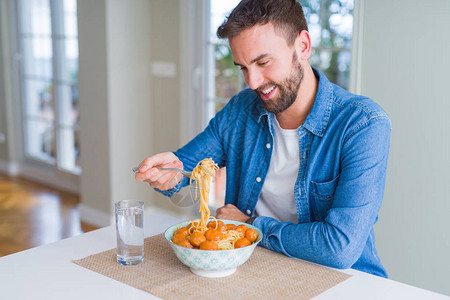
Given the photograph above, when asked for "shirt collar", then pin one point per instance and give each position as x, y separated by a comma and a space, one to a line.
318, 117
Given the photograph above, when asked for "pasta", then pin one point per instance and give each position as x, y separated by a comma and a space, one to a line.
214, 235
202, 175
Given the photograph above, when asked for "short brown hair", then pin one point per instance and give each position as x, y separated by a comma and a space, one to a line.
285, 15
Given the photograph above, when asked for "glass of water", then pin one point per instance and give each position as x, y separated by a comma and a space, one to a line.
130, 231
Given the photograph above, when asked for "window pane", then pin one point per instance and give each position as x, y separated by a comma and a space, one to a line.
311, 10
71, 57
35, 17
68, 117
341, 17
228, 76
334, 64
70, 18
340, 23
343, 69
330, 24
314, 59
69, 149
310, 7
37, 57
219, 10
40, 139
68, 60
76, 147
68, 106
39, 99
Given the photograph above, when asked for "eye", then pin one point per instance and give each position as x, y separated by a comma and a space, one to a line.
262, 63
242, 68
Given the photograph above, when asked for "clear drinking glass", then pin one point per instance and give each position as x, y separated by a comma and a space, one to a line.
130, 231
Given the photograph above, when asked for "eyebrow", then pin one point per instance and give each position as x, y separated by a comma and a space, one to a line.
259, 57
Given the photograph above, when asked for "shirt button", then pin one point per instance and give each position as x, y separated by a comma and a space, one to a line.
248, 211
258, 179
268, 146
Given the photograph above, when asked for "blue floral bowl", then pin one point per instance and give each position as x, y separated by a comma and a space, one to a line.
212, 263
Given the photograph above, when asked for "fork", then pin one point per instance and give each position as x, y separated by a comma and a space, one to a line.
183, 172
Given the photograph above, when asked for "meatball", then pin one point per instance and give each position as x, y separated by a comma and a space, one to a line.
243, 242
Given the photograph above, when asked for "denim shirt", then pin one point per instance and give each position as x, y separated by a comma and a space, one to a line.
343, 144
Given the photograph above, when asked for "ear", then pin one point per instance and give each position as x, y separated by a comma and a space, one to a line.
303, 45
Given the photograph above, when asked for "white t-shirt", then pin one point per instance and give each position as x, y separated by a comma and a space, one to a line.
277, 195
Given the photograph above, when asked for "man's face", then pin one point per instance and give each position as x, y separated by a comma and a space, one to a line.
270, 67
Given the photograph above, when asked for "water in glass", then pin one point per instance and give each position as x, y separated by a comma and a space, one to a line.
130, 232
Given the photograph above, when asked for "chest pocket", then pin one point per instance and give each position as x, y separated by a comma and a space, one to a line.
321, 197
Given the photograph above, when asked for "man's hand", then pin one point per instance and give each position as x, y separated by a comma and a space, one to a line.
231, 212
163, 180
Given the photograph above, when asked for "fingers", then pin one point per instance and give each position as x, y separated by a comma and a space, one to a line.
160, 160
227, 211
166, 183
166, 176
231, 212
148, 168
163, 180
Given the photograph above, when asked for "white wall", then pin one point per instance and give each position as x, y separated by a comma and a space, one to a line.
95, 189
130, 94
128, 111
115, 103
405, 68
167, 93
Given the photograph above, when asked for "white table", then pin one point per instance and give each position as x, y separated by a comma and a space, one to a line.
47, 272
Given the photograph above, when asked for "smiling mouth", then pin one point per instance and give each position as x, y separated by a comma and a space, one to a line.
267, 93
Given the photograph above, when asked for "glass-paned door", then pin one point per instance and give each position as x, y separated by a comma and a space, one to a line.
48, 39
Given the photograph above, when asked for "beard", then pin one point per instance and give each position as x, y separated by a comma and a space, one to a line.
287, 89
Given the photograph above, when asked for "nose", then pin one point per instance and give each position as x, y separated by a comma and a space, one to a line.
254, 79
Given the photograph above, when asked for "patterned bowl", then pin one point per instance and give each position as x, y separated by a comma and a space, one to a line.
212, 263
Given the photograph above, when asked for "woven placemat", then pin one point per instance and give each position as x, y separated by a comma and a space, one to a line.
266, 274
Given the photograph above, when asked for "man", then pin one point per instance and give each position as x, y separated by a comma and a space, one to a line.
306, 160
